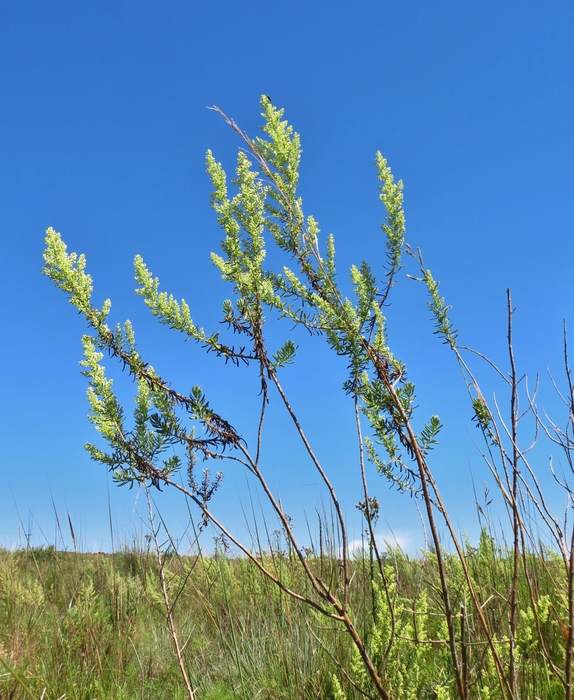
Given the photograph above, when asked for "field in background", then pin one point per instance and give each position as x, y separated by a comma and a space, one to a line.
84, 626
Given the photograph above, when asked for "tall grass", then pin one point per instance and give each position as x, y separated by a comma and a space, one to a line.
79, 626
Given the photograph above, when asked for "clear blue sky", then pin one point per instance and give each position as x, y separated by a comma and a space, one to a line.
103, 133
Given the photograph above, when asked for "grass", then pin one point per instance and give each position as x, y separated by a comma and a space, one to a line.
85, 626
94, 626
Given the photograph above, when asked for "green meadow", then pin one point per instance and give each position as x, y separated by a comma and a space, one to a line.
80, 626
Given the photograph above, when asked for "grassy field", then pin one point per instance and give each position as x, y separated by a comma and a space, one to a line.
85, 626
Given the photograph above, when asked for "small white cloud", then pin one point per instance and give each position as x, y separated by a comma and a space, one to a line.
385, 541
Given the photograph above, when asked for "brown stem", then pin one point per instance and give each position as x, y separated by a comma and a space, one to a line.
373, 541
516, 521
464, 649
426, 478
570, 636
367, 661
167, 603
382, 373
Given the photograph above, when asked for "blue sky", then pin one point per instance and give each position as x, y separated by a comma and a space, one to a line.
103, 134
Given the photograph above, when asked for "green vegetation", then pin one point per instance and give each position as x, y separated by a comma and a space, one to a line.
94, 626
292, 620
